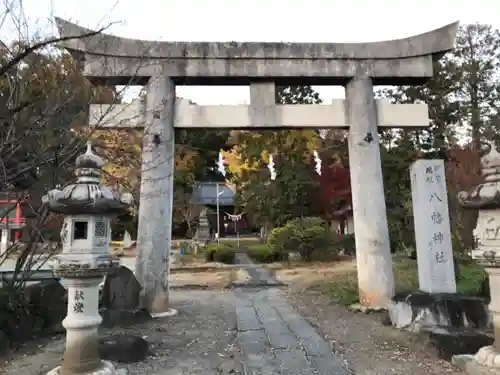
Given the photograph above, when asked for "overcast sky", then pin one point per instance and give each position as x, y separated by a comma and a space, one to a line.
256, 20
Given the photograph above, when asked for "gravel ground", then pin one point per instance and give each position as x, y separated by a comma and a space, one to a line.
200, 339
366, 346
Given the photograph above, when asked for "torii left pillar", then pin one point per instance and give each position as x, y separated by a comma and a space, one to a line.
154, 240
155, 115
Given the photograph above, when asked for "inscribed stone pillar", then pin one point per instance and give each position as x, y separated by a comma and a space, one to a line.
436, 272
373, 255
155, 210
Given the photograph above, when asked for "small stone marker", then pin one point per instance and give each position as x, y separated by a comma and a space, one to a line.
203, 230
175, 256
127, 240
121, 290
436, 272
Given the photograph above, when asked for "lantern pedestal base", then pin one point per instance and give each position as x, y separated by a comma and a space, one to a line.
488, 357
82, 322
106, 368
468, 364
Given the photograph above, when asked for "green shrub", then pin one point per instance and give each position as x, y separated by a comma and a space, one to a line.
345, 244
209, 252
309, 236
401, 235
262, 253
278, 239
225, 254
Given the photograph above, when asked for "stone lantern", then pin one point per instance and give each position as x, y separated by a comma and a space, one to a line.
87, 207
486, 198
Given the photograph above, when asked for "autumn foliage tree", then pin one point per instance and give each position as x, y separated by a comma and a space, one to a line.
42, 107
334, 189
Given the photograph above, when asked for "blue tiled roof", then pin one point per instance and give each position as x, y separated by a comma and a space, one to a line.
206, 193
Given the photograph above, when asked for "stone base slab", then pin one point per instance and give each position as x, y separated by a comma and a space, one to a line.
416, 310
448, 341
106, 368
164, 314
468, 364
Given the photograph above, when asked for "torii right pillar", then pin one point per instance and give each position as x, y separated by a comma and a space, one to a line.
357, 66
411, 63
374, 262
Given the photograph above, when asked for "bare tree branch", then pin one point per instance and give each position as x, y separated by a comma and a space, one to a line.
39, 45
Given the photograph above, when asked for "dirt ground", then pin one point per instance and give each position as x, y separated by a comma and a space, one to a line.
367, 346
200, 339
213, 279
209, 280
306, 275
214, 275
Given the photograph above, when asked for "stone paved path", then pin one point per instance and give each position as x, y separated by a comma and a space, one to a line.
273, 337
259, 276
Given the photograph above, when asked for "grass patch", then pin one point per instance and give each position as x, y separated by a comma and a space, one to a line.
471, 278
342, 288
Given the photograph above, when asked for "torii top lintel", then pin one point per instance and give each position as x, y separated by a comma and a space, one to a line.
116, 60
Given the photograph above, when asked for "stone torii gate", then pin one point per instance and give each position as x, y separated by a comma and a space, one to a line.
187, 115
358, 67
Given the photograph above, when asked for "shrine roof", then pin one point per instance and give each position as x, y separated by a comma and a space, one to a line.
206, 193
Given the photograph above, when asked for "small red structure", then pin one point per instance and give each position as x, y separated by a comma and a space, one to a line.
11, 218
